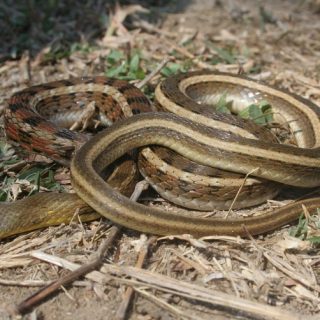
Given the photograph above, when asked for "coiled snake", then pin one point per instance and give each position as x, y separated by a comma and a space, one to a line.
190, 127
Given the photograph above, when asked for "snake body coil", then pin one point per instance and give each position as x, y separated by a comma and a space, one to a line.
191, 129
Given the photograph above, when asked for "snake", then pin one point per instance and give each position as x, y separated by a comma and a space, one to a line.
186, 124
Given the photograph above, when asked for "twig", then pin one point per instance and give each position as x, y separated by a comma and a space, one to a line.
292, 274
181, 50
154, 72
129, 294
239, 190
122, 310
38, 297
189, 55
25, 283
165, 305
284, 267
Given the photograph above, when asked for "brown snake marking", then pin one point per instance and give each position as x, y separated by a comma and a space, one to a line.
116, 99
31, 117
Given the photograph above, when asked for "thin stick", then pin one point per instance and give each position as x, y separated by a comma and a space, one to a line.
38, 297
154, 72
25, 283
165, 305
181, 50
129, 294
282, 267
189, 55
239, 190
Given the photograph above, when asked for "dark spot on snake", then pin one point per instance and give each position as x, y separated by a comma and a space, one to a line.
68, 153
33, 121
15, 106
66, 134
46, 86
32, 90
168, 160
124, 88
139, 99
185, 186
66, 83
136, 111
110, 81
24, 135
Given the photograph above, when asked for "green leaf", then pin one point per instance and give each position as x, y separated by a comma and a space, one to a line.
134, 63
117, 71
260, 113
223, 105
128, 69
115, 56
139, 74
300, 230
223, 54
40, 177
314, 240
171, 69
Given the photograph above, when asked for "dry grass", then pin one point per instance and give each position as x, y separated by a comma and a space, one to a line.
270, 277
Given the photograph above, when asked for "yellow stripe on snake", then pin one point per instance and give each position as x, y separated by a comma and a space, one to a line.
225, 147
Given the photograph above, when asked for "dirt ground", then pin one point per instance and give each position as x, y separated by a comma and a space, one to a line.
276, 276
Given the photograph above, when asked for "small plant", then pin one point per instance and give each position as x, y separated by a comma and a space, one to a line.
36, 176
301, 230
265, 17
173, 68
223, 105
260, 113
118, 66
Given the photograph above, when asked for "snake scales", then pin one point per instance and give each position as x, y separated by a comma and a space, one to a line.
190, 127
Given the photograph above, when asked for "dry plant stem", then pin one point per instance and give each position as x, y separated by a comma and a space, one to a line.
282, 267
161, 303
291, 274
182, 50
181, 288
26, 283
154, 72
239, 190
122, 310
38, 297
189, 55
129, 294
